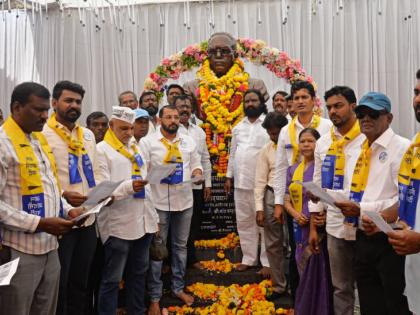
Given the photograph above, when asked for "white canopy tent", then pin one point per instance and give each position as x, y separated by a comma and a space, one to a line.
111, 46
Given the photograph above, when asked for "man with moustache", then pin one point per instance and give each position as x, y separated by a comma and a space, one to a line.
97, 122
280, 103
128, 99
222, 53
184, 105
173, 199
378, 269
149, 102
407, 240
74, 148
30, 193
127, 225
335, 158
141, 124
248, 137
172, 92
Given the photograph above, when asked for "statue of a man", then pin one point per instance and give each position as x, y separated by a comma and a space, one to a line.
222, 55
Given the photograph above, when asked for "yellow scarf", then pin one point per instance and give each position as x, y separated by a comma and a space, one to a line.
334, 163
296, 189
173, 155
293, 136
136, 160
361, 173
409, 182
30, 177
76, 150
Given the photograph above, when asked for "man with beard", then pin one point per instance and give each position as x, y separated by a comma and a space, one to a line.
74, 148
184, 105
335, 158
303, 94
173, 199
149, 102
172, 92
379, 271
128, 99
248, 137
97, 122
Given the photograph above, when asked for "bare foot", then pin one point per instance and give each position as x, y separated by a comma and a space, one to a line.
242, 267
154, 309
198, 265
265, 272
184, 297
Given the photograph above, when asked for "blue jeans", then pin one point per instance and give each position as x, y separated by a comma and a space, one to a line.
118, 254
179, 221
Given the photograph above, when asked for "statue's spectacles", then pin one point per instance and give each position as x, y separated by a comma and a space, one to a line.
223, 51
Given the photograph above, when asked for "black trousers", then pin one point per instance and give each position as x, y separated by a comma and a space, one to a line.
95, 277
293, 271
198, 204
76, 251
380, 276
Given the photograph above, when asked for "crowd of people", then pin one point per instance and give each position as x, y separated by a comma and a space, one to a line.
49, 162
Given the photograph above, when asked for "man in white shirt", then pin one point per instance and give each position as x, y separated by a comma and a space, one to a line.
128, 99
248, 137
336, 154
30, 192
303, 95
150, 103
379, 270
407, 241
200, 194
74, 149
173, 199
127, 225
264, 202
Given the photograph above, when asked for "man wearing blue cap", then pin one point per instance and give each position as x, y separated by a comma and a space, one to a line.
379, 270
141, 124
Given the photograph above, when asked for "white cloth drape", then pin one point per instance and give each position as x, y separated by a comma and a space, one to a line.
368, 45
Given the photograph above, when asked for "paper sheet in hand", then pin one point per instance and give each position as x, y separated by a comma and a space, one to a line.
159, 172
94, 210
319, 192
100, 192
7, 271
379, 221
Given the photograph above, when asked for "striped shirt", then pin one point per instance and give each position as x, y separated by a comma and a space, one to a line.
10, 194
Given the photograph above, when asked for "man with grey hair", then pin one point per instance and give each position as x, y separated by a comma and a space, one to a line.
128, 99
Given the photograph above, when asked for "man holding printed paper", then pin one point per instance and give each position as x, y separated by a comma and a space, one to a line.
74, 148
379, 271
173, 198
335, 157
30, 192
127, 225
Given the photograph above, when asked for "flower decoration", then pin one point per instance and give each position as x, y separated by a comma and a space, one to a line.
222, 266
229, 241
235, 299
221, 98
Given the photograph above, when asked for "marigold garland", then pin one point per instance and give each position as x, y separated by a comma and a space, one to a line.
221, 118
222, 266
235, 299
230, 241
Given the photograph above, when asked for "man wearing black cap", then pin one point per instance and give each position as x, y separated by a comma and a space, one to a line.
379, 270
